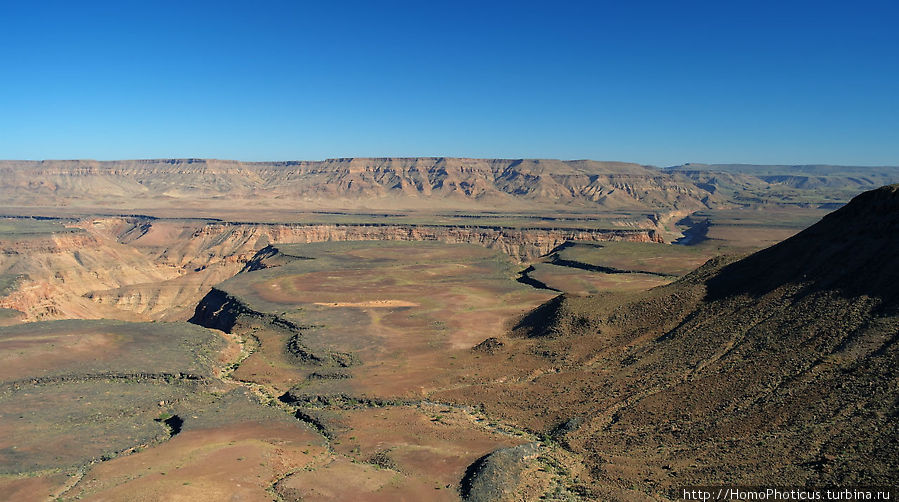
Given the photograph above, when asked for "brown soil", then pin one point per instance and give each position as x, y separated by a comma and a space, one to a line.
40, 487
231, 461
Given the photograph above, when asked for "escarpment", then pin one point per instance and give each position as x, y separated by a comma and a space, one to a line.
522, 244
359, 182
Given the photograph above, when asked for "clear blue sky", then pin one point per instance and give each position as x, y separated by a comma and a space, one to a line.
652, 82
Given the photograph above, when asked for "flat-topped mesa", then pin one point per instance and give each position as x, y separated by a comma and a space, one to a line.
376, 182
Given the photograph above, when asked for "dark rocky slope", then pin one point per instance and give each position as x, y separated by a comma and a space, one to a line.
782, 367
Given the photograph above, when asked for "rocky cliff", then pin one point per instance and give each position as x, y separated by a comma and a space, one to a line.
521, 244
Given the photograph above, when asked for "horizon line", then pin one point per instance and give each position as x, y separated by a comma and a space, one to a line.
439, 157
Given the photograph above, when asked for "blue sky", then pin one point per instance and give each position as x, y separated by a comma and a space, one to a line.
653, 82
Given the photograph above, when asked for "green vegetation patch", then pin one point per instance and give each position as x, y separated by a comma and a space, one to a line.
32, 227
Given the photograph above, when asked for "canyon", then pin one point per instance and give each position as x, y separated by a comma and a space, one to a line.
439, 328
156, 269
146, 238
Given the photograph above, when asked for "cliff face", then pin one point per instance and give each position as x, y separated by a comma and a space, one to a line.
56, 270
200, 244
521, 244
400, 182
218, 310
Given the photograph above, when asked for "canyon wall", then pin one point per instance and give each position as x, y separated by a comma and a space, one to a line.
521, 244
144, 269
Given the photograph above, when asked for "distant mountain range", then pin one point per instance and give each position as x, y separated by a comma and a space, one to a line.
753, 184
426, 183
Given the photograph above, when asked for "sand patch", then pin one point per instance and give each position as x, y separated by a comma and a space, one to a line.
370, 304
